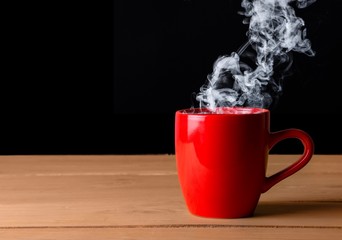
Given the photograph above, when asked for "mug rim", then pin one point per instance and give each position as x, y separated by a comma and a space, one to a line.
204, 111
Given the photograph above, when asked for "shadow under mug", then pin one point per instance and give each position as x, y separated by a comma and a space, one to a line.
222, 159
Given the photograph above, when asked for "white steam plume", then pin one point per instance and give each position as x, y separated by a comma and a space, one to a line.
274, 31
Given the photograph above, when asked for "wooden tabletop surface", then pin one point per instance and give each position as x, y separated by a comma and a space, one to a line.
139, 197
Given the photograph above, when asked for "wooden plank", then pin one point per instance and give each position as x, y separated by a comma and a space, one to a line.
121, 191
171, 233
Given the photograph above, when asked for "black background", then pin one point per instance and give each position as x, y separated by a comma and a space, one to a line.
106, 78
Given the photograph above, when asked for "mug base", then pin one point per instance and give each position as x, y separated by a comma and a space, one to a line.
223, 216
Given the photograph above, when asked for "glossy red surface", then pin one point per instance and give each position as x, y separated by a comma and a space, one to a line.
222, 158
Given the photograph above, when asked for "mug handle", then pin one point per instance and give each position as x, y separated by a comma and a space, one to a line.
308, 144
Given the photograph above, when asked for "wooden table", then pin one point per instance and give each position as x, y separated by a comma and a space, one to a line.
138, 197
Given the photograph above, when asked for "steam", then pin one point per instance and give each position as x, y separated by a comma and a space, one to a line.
274, 31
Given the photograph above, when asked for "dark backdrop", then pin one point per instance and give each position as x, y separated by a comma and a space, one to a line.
106, 78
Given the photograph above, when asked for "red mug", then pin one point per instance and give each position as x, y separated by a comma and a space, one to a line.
222, 158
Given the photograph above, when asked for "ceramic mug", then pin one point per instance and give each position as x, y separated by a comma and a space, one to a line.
222, 159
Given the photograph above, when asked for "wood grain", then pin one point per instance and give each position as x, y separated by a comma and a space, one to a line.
138, 197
